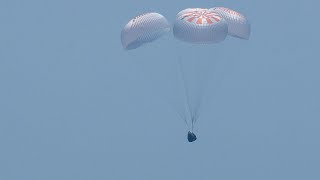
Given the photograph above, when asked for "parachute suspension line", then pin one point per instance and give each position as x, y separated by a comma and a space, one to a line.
205, 85
180, 115
193, 122
186, 90
192, 125
184, 118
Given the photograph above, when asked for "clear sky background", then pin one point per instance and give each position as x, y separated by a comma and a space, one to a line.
75, 105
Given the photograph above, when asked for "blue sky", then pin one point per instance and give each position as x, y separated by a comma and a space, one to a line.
74, 105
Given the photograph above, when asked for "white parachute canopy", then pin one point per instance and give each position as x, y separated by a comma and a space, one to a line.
197, 25
238, 25
143, 29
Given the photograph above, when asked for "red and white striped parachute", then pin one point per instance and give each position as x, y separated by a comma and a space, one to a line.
143, 29
238, 25
197, 25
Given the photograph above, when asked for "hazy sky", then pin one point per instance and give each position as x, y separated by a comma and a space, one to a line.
75, 105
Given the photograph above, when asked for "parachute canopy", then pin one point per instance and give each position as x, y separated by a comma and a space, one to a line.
238, 25
143, 29
197, 25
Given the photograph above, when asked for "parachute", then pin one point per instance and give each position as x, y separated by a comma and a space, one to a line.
192, 25
197, 25
200, 26
143, 29
238, 25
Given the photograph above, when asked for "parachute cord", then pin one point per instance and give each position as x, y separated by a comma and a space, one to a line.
196, 115
178, 113
185, 88
202, 94
192, 125
183, 118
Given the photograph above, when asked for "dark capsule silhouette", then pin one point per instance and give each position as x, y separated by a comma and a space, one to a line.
191, 136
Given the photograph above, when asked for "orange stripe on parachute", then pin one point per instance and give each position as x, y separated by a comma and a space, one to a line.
191, 19
199, 21
209, 21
